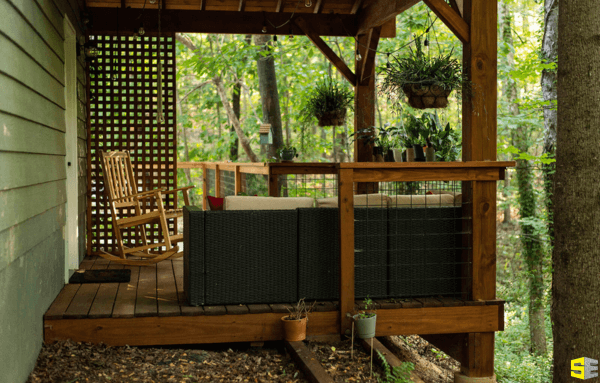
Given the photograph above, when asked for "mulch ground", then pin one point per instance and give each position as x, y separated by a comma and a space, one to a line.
344, 366
71, 362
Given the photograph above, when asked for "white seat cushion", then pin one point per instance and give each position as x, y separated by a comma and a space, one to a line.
360, 200
431, 200
266, 203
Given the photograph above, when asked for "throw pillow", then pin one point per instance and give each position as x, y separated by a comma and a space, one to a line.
215, 203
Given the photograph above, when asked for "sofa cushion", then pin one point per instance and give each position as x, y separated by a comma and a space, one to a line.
432, 200
360, 200
457, 196
266, 203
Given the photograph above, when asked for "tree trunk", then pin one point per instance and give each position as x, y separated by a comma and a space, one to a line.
236, 94
244, 142
576, 253
550, 55
269, 93
530, 239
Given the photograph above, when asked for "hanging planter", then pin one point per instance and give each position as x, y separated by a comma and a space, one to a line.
328, 102
425, 80
426, 96
332, 118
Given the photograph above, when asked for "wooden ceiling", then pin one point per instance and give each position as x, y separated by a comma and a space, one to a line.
344, 7
323, 17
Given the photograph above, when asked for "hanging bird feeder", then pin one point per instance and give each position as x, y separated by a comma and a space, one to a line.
266, 137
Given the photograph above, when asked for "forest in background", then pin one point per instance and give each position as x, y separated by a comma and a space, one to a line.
230, 62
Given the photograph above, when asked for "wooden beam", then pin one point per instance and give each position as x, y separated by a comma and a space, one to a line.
146, 331
379, 12
451, 18
346, 224
203, 5
437, 320
319, 6
356, 6
242, 6
454, 6
308, 362
326, 50
280, 5
368, 68
406, 175
220, 22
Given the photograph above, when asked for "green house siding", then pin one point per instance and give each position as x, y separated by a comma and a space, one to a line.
32, 173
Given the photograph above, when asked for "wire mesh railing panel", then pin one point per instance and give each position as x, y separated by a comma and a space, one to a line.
412, 245
227, 183
308, 185
254, 185
210, 182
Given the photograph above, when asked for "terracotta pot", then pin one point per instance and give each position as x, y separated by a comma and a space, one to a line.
410, 155
426, 96
430, 154
294, 330
333, 118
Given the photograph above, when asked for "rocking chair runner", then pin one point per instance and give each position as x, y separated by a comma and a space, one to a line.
121, 190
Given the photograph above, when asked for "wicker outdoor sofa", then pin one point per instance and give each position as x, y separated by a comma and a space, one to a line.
240, 256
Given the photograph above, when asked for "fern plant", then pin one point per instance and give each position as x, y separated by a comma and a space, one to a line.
400, 374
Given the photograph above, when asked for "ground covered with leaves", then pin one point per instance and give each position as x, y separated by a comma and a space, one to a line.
71, 362
344, 365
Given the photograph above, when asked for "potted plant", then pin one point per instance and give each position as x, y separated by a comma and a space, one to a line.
366, 320
294, 324
426, 81
287, 153
381, 139
328, 102
442, 142
414, 130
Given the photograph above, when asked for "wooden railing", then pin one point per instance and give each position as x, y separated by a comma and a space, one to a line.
479, 203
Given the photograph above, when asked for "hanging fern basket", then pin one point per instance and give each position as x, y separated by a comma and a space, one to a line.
426, 96
333, 118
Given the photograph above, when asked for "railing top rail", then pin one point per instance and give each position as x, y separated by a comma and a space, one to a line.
426, 165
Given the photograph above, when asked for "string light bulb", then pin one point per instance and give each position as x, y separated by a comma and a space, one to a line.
358, 55
152, 1
291, 34
264, 29
275, 38
141, 30
388, 65
308, 3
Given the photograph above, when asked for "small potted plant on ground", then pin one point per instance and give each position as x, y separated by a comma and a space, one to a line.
287, 153
328, 102
366, 320
294, 324
426, 81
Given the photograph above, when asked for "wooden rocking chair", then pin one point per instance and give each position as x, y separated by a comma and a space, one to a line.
121, 189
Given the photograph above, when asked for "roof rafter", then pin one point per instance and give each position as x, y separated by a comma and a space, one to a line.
378, 12
326, 50
319, 6
451, 18
242, 6
279, 7
369, 56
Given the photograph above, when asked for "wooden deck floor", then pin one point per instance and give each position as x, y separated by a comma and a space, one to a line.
151, 310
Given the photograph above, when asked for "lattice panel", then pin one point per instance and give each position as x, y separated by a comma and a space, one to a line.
124, 116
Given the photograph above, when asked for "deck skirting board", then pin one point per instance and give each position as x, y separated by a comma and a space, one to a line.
154, 331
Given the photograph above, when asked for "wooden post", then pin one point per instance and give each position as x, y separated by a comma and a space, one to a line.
238, 180
273, 183
364, 108
217, 181
204, 187
479, 144
346, 219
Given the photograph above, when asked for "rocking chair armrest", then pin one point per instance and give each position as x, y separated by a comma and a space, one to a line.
145, 194
184, 189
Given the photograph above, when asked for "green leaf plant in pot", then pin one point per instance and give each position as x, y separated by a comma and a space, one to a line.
294, 324
328, 102
426, 80
366, 320
443, 143
414, 129
381, 139
287, 153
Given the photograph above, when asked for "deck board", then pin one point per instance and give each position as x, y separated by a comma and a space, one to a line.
146, 304
82, 301
125, 300
166, 290
61, 303
104, 301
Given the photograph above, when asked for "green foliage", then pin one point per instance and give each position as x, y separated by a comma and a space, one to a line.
328, 95
399, 374
442, 70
